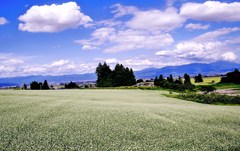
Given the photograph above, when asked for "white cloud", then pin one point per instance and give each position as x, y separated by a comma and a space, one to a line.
132, 39
156, 20
126, 40
3, 21
59, 63
53, 18
197, 26
88, 47
211, 11
211, 36
170, 3
206, 47
229, 56
120, 10
111, 61
163, 53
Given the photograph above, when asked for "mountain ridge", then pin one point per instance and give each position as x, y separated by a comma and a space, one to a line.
214, 68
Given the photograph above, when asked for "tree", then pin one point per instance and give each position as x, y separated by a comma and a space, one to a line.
139, 80
170, 79
24, 87
232, 77
198, 78
45, 85
187, 79
104, 74
71, 85
34, 85
155, 82
120, 76
179, 80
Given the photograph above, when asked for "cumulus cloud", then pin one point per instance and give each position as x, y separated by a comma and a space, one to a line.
126, 40
229, 56
53, 18
206, 47
3, 21
59, 63
197, 26
111, 60
12, 66
156, 20
211, 11
120, 10
152, 20
213, 35
88, 47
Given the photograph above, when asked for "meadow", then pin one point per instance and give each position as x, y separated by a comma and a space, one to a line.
113, 120
207, 81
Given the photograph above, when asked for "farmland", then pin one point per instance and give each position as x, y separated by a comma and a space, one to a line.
113, 120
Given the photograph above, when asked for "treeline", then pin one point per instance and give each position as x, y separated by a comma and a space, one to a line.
119, 76
232, 77
38, 85
44, 86
177, 84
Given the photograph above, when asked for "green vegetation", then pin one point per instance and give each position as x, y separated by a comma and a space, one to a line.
207, 88
227, 86
120, 76
176, 85
232, 77
113, 120
38, 86
210, 98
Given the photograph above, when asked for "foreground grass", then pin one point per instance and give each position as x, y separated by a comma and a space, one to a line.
113, 120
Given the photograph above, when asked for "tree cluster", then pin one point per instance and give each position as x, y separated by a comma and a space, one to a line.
120, 76
71, 85
39, 85
176, 84
232, 77
198, 78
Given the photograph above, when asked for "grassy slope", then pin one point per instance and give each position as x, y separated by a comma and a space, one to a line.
113, 120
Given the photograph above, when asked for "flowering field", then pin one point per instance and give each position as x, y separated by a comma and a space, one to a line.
113, 120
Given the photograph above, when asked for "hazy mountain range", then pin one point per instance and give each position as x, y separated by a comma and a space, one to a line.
220, 67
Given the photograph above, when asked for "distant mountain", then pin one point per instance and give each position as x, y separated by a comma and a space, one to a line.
220, 67
52, 79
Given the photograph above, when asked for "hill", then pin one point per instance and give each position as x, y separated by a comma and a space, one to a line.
215, 68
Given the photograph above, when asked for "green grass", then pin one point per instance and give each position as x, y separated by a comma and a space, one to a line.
113, 120
207, 81
227, 86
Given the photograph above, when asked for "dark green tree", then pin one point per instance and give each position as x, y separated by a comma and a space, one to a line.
24, 87
71, 85
104, 75
198, 78
170, 79
139, 80
187, 79
45, 85
34, 85
232, 77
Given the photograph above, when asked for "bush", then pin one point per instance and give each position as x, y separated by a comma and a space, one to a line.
210, 98
207, 88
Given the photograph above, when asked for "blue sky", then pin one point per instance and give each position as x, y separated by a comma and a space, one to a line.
70, 37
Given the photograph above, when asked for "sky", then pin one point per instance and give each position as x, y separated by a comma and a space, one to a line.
60, 37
